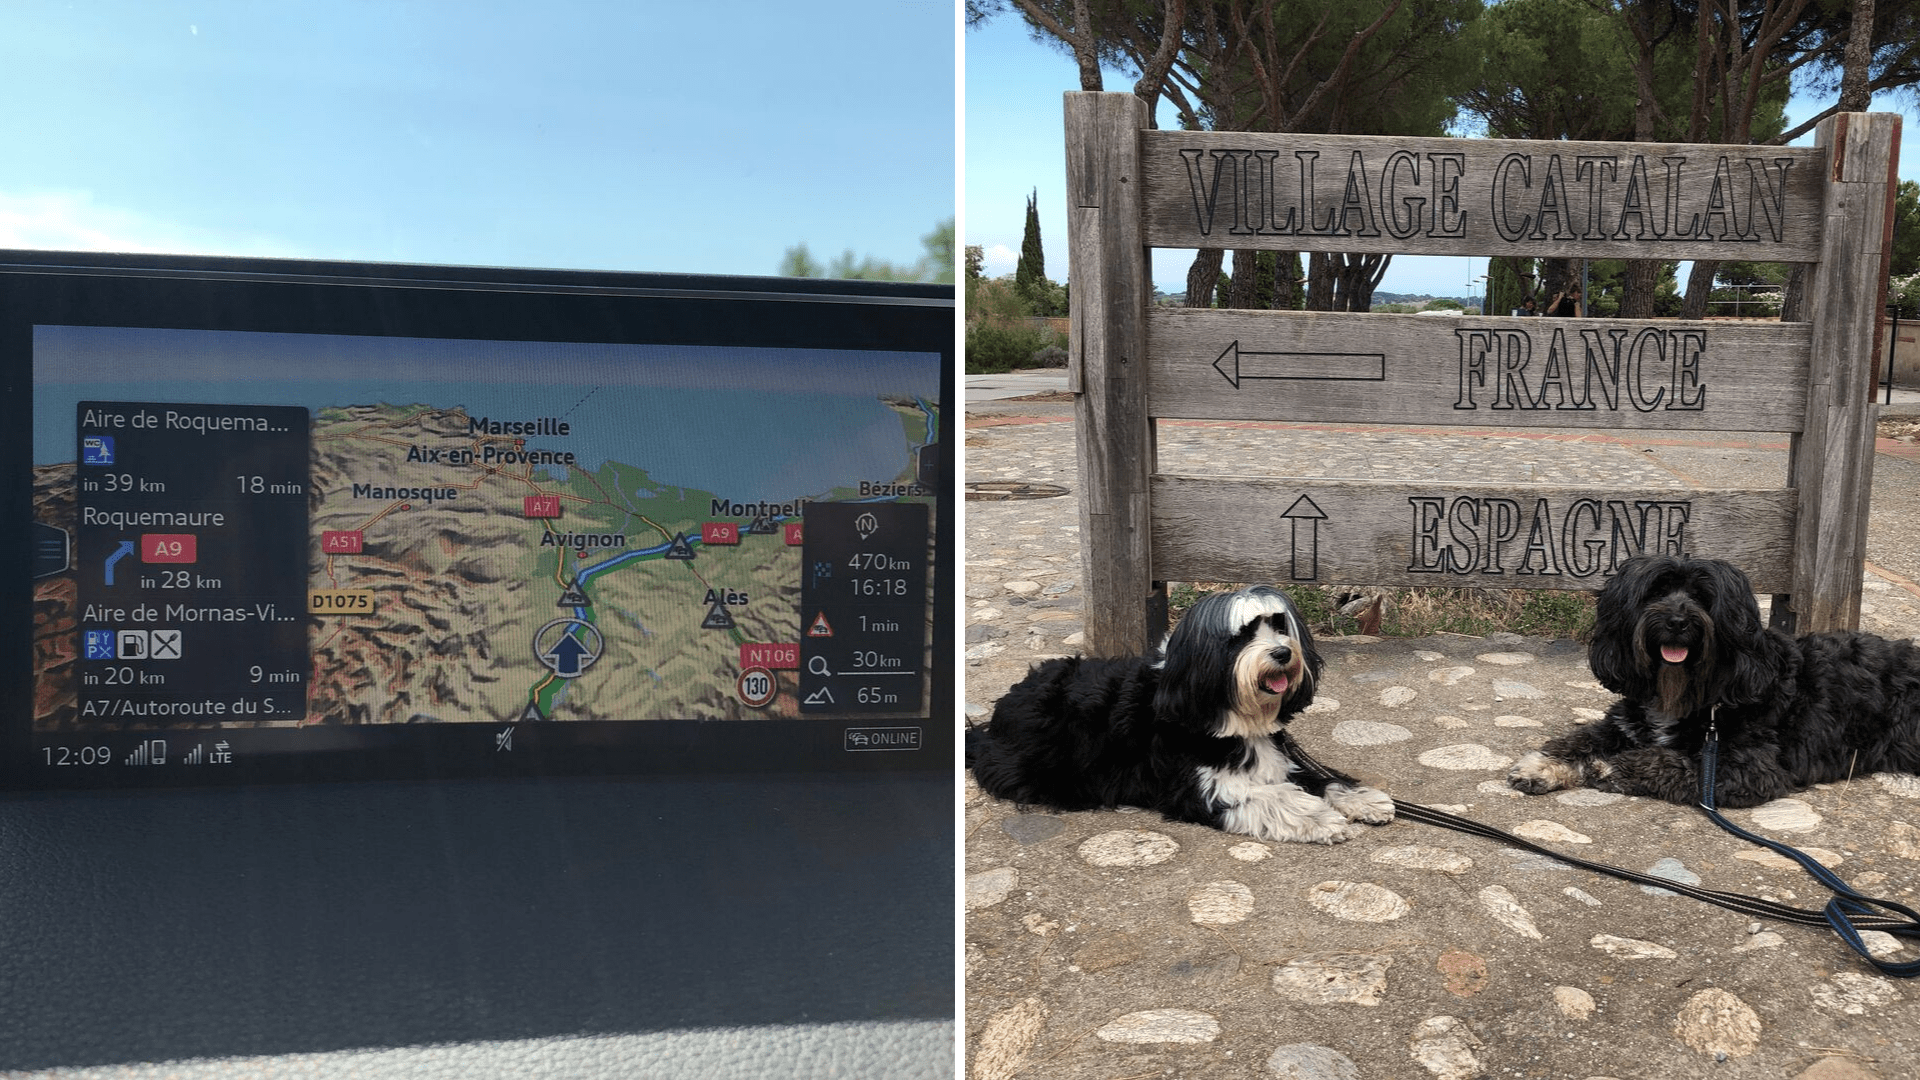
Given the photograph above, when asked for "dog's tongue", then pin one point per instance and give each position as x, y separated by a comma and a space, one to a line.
1673, 654
1276, 684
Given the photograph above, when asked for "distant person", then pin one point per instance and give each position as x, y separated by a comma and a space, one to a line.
1566, 303
1525, 308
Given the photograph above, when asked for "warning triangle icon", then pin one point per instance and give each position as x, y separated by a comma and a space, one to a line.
718, 617
531, 712
679, 549
820, 626
572, 598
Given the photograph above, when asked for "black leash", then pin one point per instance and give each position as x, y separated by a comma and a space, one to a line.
1849, 909
1846, 914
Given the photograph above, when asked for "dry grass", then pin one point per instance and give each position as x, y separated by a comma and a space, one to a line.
1546, 613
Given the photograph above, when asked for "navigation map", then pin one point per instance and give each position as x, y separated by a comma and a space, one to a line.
615, 545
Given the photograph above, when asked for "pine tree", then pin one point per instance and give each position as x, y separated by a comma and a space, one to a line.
1031, 271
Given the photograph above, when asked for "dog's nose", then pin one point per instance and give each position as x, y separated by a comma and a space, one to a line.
1281, 654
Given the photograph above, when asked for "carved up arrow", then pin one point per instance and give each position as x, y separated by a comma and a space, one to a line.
1320, 366
1303, 509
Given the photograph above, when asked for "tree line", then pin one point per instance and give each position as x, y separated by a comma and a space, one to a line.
1690, 71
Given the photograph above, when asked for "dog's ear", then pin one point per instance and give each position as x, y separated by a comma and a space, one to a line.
1195, 670
1614, 653
1748, 670
1734, 610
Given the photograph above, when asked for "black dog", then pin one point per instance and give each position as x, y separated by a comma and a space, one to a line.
1197, 734
1681, 640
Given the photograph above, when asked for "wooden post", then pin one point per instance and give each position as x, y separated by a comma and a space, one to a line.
1832, 462
1108, 271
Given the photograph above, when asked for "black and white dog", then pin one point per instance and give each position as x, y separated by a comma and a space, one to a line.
1198, 733
1681, 641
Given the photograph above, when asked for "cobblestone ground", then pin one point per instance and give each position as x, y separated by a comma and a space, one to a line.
1119, 946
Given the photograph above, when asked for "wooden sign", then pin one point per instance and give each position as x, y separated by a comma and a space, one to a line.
1133, 189
1325, 532
1602, 200
1418, 369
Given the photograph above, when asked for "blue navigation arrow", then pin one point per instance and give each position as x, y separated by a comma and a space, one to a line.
125, 549
566, 654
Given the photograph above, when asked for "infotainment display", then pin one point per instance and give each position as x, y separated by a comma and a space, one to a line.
297, 522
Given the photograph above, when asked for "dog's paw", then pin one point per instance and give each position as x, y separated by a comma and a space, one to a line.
1329, 827
1285, 813
1537, 774
1351, 830
1371, 805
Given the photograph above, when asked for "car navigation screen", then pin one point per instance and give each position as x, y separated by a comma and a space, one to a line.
268, 549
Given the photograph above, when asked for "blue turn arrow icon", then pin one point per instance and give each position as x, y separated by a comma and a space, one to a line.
125, 549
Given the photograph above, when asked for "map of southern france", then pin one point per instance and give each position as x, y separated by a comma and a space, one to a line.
285, 530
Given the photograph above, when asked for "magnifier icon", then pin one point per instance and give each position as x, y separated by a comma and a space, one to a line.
818, 666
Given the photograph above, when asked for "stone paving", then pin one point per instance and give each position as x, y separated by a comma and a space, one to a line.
1119, 946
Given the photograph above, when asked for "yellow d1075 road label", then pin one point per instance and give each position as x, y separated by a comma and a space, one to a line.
339, 601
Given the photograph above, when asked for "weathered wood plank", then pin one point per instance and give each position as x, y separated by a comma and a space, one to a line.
1475, 371
1111, 285
1302, 531
1827, 205
1833, 459
1482, 196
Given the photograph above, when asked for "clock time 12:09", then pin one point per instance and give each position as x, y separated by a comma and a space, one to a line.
77, 755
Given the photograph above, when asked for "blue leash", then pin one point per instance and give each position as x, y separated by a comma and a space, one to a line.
1847, 903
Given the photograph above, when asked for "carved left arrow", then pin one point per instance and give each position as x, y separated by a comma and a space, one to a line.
1242, 365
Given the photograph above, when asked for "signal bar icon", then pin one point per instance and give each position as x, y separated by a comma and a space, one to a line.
151, 752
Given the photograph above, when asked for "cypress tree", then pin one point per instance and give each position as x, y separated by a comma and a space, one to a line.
1032, 267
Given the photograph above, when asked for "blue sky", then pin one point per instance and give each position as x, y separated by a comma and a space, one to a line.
1013, 146
588, 134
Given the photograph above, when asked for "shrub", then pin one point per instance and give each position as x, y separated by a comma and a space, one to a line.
1903, 294
996, 345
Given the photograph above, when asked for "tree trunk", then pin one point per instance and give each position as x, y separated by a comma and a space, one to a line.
1320, 282
1085, 47
1793, 303
1287, 284
1203, 277
1699, 289
1358, 278
1080, 37
1643, 277
1246, 279
1856, 59
1153, 73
